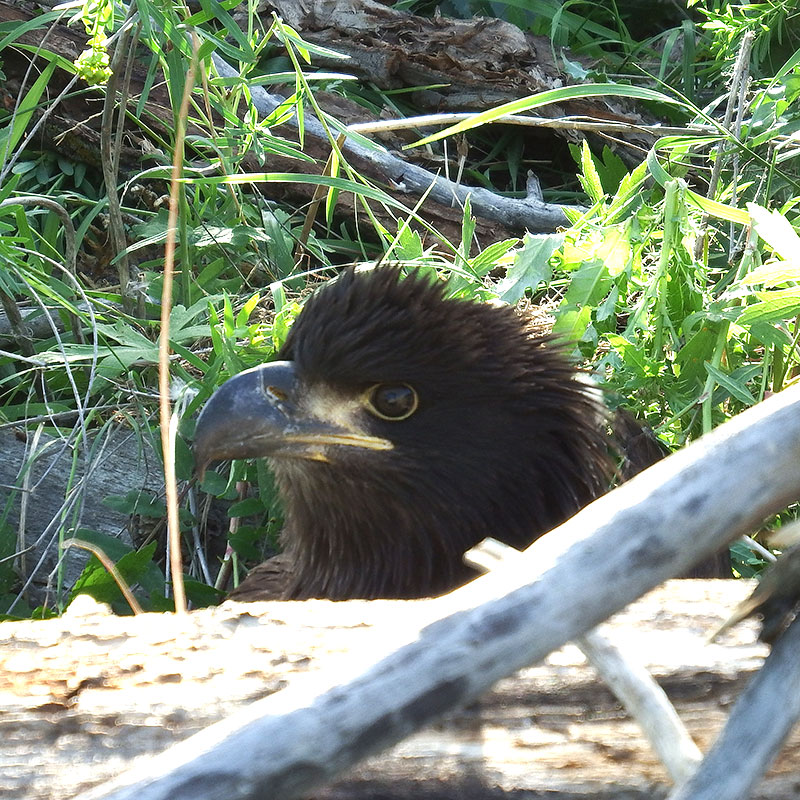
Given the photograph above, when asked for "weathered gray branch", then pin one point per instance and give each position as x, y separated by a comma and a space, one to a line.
599, 561
632, 684
756, 730
87, 695
529, 213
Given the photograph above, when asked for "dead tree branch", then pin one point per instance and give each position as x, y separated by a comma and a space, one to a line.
757, 728
602, 559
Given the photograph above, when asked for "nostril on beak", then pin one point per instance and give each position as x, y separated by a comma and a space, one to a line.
276, 394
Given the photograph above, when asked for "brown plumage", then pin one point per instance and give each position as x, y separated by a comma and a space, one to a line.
403, 427
269, 580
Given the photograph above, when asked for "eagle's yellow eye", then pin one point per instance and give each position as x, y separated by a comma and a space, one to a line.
392, 401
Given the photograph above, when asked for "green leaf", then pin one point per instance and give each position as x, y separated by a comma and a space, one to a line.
210, 272
343, 184
181, 329
467, 230
775, 230
247, 507
633, 356
12, 134
628, 185
607, 309
217, 11
184, 460
18, 28
228, 325
489, 258
692, 356
736, 388
247, 542
306, 48
201, 594
278, 292
705, 204
213, 483
247, 309
590, 178
776, 305
572, 323
134, 567
136, 501
531, 266
545, 98
281, 246
237, 236
746, 562
768, 334
773, 274
615, 249
111, 545
124, 333
408, 246
611, 169
590, 284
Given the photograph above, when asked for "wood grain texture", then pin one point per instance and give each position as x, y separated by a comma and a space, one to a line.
84, 695
63, 481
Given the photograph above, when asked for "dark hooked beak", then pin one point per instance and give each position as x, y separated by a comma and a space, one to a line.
259, 413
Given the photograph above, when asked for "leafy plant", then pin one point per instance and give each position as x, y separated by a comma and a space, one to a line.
685, 311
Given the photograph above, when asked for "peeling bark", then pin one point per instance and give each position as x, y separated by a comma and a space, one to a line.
478, 63
86, 694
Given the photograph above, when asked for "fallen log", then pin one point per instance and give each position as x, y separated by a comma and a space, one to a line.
426, 658
657, 525
472, 64
52, 487
85, 695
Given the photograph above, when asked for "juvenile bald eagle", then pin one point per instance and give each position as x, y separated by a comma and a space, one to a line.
403, 427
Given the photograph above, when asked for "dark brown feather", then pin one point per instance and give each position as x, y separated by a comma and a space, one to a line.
507, 440
269, 580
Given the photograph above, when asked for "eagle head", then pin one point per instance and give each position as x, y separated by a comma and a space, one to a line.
404, 426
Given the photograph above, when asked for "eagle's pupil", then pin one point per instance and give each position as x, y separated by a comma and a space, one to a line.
394, 401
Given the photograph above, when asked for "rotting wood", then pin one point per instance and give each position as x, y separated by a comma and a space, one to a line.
605, 557
460, 64
70, 494
509, 58
85, 694
634, 687
756, 730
